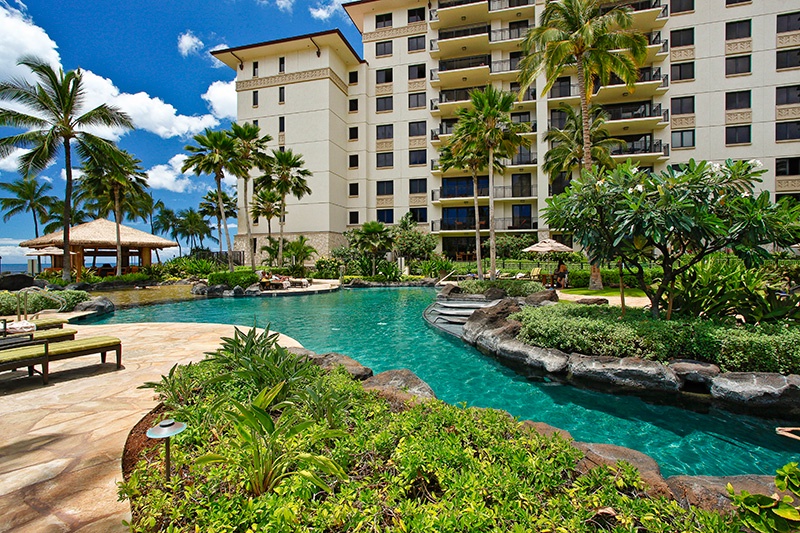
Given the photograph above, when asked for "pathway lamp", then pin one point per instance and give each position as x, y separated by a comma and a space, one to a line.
164, 430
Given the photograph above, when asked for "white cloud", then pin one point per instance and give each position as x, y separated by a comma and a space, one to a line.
76, 174
21, 37
229, 180
169, 176
216, 63
285, 5
221, 98
189, 43
11, 163
324, 11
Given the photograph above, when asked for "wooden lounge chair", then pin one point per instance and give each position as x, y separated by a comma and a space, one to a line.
42, 354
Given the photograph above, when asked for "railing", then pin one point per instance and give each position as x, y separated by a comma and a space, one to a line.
505, 65
530, 123
645, 145
434, 45
434, 104
463, 31
434, 164
457, 224
222, 257
515, 191
433, 15
497, 5
523, 158
465, 62
456, 95
434, 74
631, 111
22, 300
645, 75
457, 191
564, 90
515, 223
530, 94
455, 3
642, 5
507, 34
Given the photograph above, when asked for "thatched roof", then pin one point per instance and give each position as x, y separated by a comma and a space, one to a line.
100, 233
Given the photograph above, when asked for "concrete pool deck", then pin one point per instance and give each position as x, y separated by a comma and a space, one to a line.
61, 444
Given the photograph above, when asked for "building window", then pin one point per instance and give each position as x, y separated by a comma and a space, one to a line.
385, 188
787, 59
255, 98
353, 105
417, 157
737, 100
684, 37
682, 71
384, 103
734, 2
281, 148
416, 72
383, 21
737, 65
416, 129
740, 29
787, 166
558, 119
521, 118
683, 139
416, 43
353, 217
352, 162
383, 75
787, 131
416, 15
385, 159
681, 6
281, 64
787, 95
353, 77
384, 131
683, 105
383, 48
561, 88
386, 216
281, 95
419, 214
789, 22
418, 186
281, 124
737, 134
255, 123
353, 189
353, 133
416, 100
255, 69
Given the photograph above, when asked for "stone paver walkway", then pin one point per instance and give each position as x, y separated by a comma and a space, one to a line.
61, 445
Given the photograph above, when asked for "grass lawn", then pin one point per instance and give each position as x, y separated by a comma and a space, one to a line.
613, 291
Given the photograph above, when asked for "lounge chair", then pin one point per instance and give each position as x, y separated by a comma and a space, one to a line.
37, 337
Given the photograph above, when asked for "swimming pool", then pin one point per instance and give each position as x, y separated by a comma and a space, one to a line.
384, 329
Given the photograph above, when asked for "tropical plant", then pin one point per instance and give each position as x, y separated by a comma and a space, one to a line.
299, 251
145, 208
54, 118
373, 239
510, 245
166, 222
208, 208
27, 196
192, 226
327, 268
566, 144
771, 514
54, 220
214, 155
266, 204
436, 266
409, 242
286, 176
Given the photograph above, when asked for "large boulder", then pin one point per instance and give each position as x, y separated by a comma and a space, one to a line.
545, 429
711, 492
99, 305
402, 380
759, 390
238, 291
216, 291
540, 360
537, 298
493, 293
449, 289
694, 372
627, 372
199, 289
332, 360
15, 282
489, 318
253, 290
592, 301
596, 454
80, 286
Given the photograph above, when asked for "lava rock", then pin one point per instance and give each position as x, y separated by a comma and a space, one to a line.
449, 289
627, 372
253, 290
199, 289
538, 298
545, 429
711, 492
493, 293
402, 380
15, 282
596, 454
215, 291
488, 318
759, 389
228, 293
592, 301
80, 286
549, 360
694, 371
99, 305
332, 360
238, 291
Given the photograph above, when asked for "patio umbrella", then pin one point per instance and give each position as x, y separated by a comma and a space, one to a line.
547, 245
49, 250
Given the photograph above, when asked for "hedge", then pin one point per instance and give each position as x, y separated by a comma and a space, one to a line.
37, 302
242, 278
513, 287
580, 278
599, 330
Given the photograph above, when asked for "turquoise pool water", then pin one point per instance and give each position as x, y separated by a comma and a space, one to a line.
384, 329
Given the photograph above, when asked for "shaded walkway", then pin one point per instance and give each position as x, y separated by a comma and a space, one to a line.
61, 445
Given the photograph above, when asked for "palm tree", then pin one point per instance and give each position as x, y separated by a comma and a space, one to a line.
488, 128
28, 196
372, 238
54, 120
194, 227
166, 222
55, 217
266, 204
116, 181
145, 209
286, 176
299, 252
251, 149
566, 149
214, 155
208, 208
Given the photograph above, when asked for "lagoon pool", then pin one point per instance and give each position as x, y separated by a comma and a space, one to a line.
384, 329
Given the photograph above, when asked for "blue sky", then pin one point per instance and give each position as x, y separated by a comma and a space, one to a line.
151, 59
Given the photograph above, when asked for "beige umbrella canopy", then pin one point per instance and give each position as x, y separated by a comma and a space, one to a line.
49, 250
547, 245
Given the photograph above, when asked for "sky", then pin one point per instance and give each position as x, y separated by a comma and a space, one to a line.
152, 60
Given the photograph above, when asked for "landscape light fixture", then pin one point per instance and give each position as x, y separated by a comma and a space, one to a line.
164, 430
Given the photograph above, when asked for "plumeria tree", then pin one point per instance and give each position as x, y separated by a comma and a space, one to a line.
675, 218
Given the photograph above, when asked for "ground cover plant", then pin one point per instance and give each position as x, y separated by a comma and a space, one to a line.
513, 287
37, 302
276, 444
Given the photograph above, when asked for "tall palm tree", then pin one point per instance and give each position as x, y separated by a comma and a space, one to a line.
28, 196
55, 216
53, 118
145, 209
287, 176
597, 43
266, 204
194, 227
166, 223
251, 148
208, 208
372, 238
488, 128
116, 181
214, 155
566, 150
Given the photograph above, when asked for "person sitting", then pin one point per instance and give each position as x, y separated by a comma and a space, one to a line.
263, 283
560, 276
282, 281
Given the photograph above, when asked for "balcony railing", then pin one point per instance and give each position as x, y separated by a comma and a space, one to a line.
445, 128
564, 91
457, 191
454, 3
456, 95
433, 15
515, 223
434, 104
515, 191
522, 158
507, 34
531, 125
645, 145
463, 31
505, 65
457, 224
645, 75
655, 38
530, 94
465, 62
434, 164
631, 111
497, 5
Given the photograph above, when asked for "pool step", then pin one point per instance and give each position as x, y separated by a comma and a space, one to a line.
450, 316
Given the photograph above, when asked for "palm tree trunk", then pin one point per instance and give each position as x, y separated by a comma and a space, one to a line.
477, 223
621, 289
221, 206
250, 248
117, 216
492, 250
219, 231
36, 232
66, 273
281, 222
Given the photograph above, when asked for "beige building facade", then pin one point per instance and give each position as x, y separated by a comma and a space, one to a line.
721, 80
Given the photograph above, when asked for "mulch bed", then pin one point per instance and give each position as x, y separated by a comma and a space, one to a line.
138, 445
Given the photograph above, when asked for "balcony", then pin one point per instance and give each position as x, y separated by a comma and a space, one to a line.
451, 99
508, 192
468, 224
657, 48
644, 148
458, 192
515, 223
568, 93
505, 69
445, 129
457, 12
647, 14
510, 9
524, 157
456, 41
507, 35
636, 116
651, 83
473, 70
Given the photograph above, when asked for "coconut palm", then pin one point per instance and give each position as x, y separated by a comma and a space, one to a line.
145, 208
372, 238
208, 208
194, 227
488, 129
214, 155
286, 176
55, 216
166, 223
53, 117
251, 148
115, 180
28, 196
566, 149
266, 204
299, 252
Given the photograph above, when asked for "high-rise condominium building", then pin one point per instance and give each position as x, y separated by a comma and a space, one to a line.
721, 80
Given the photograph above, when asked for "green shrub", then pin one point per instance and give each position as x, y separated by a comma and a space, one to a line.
189, 266
37, 302
599, 330
579, 278
327, 268
243, 278
513, 287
